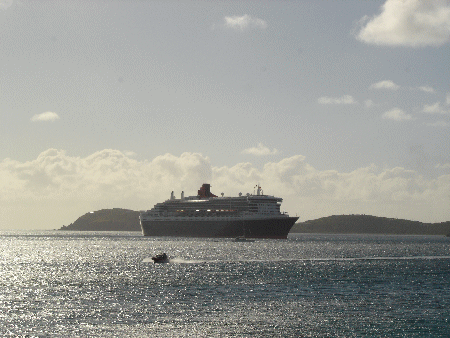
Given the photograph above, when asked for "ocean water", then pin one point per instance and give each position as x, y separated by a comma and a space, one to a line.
84, 284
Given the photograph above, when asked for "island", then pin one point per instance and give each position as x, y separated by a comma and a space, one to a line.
115, 219
118, 219
367, 224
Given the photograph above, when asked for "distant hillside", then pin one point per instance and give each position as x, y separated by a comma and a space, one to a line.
107, 220
366, 224
128, 220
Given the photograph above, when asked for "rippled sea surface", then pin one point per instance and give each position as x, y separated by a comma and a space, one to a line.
84, 284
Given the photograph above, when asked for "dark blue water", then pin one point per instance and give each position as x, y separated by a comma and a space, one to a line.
60, 284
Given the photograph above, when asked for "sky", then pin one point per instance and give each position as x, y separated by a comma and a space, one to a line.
338, 107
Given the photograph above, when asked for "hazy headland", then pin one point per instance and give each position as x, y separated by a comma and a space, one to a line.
107, 220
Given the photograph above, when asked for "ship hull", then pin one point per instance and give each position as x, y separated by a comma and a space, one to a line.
276, 227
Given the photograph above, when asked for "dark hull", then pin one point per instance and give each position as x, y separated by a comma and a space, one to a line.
266, 228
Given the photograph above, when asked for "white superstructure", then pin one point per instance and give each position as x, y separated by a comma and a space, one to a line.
206, 206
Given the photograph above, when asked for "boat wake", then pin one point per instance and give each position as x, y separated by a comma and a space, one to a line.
388, 258
348, 259
178, 260
186, 261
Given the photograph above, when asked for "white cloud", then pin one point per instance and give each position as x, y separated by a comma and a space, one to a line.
57, 188
412, 23
396, 114
434, 109
47, 116
447, 101
346, 99
438, 124
260, 150
368, 103
386, 84
426, 89
4, 4
244, 22
442, 166
107, 174
129, 153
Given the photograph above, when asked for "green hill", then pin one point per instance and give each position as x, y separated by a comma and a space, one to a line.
107, 220
366, 224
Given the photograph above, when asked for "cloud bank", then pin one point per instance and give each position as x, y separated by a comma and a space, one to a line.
413, 23
55, 189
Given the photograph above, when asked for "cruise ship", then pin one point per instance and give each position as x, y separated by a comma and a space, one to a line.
207, 215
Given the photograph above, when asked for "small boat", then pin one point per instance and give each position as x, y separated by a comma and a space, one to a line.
243, 239
161, 258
